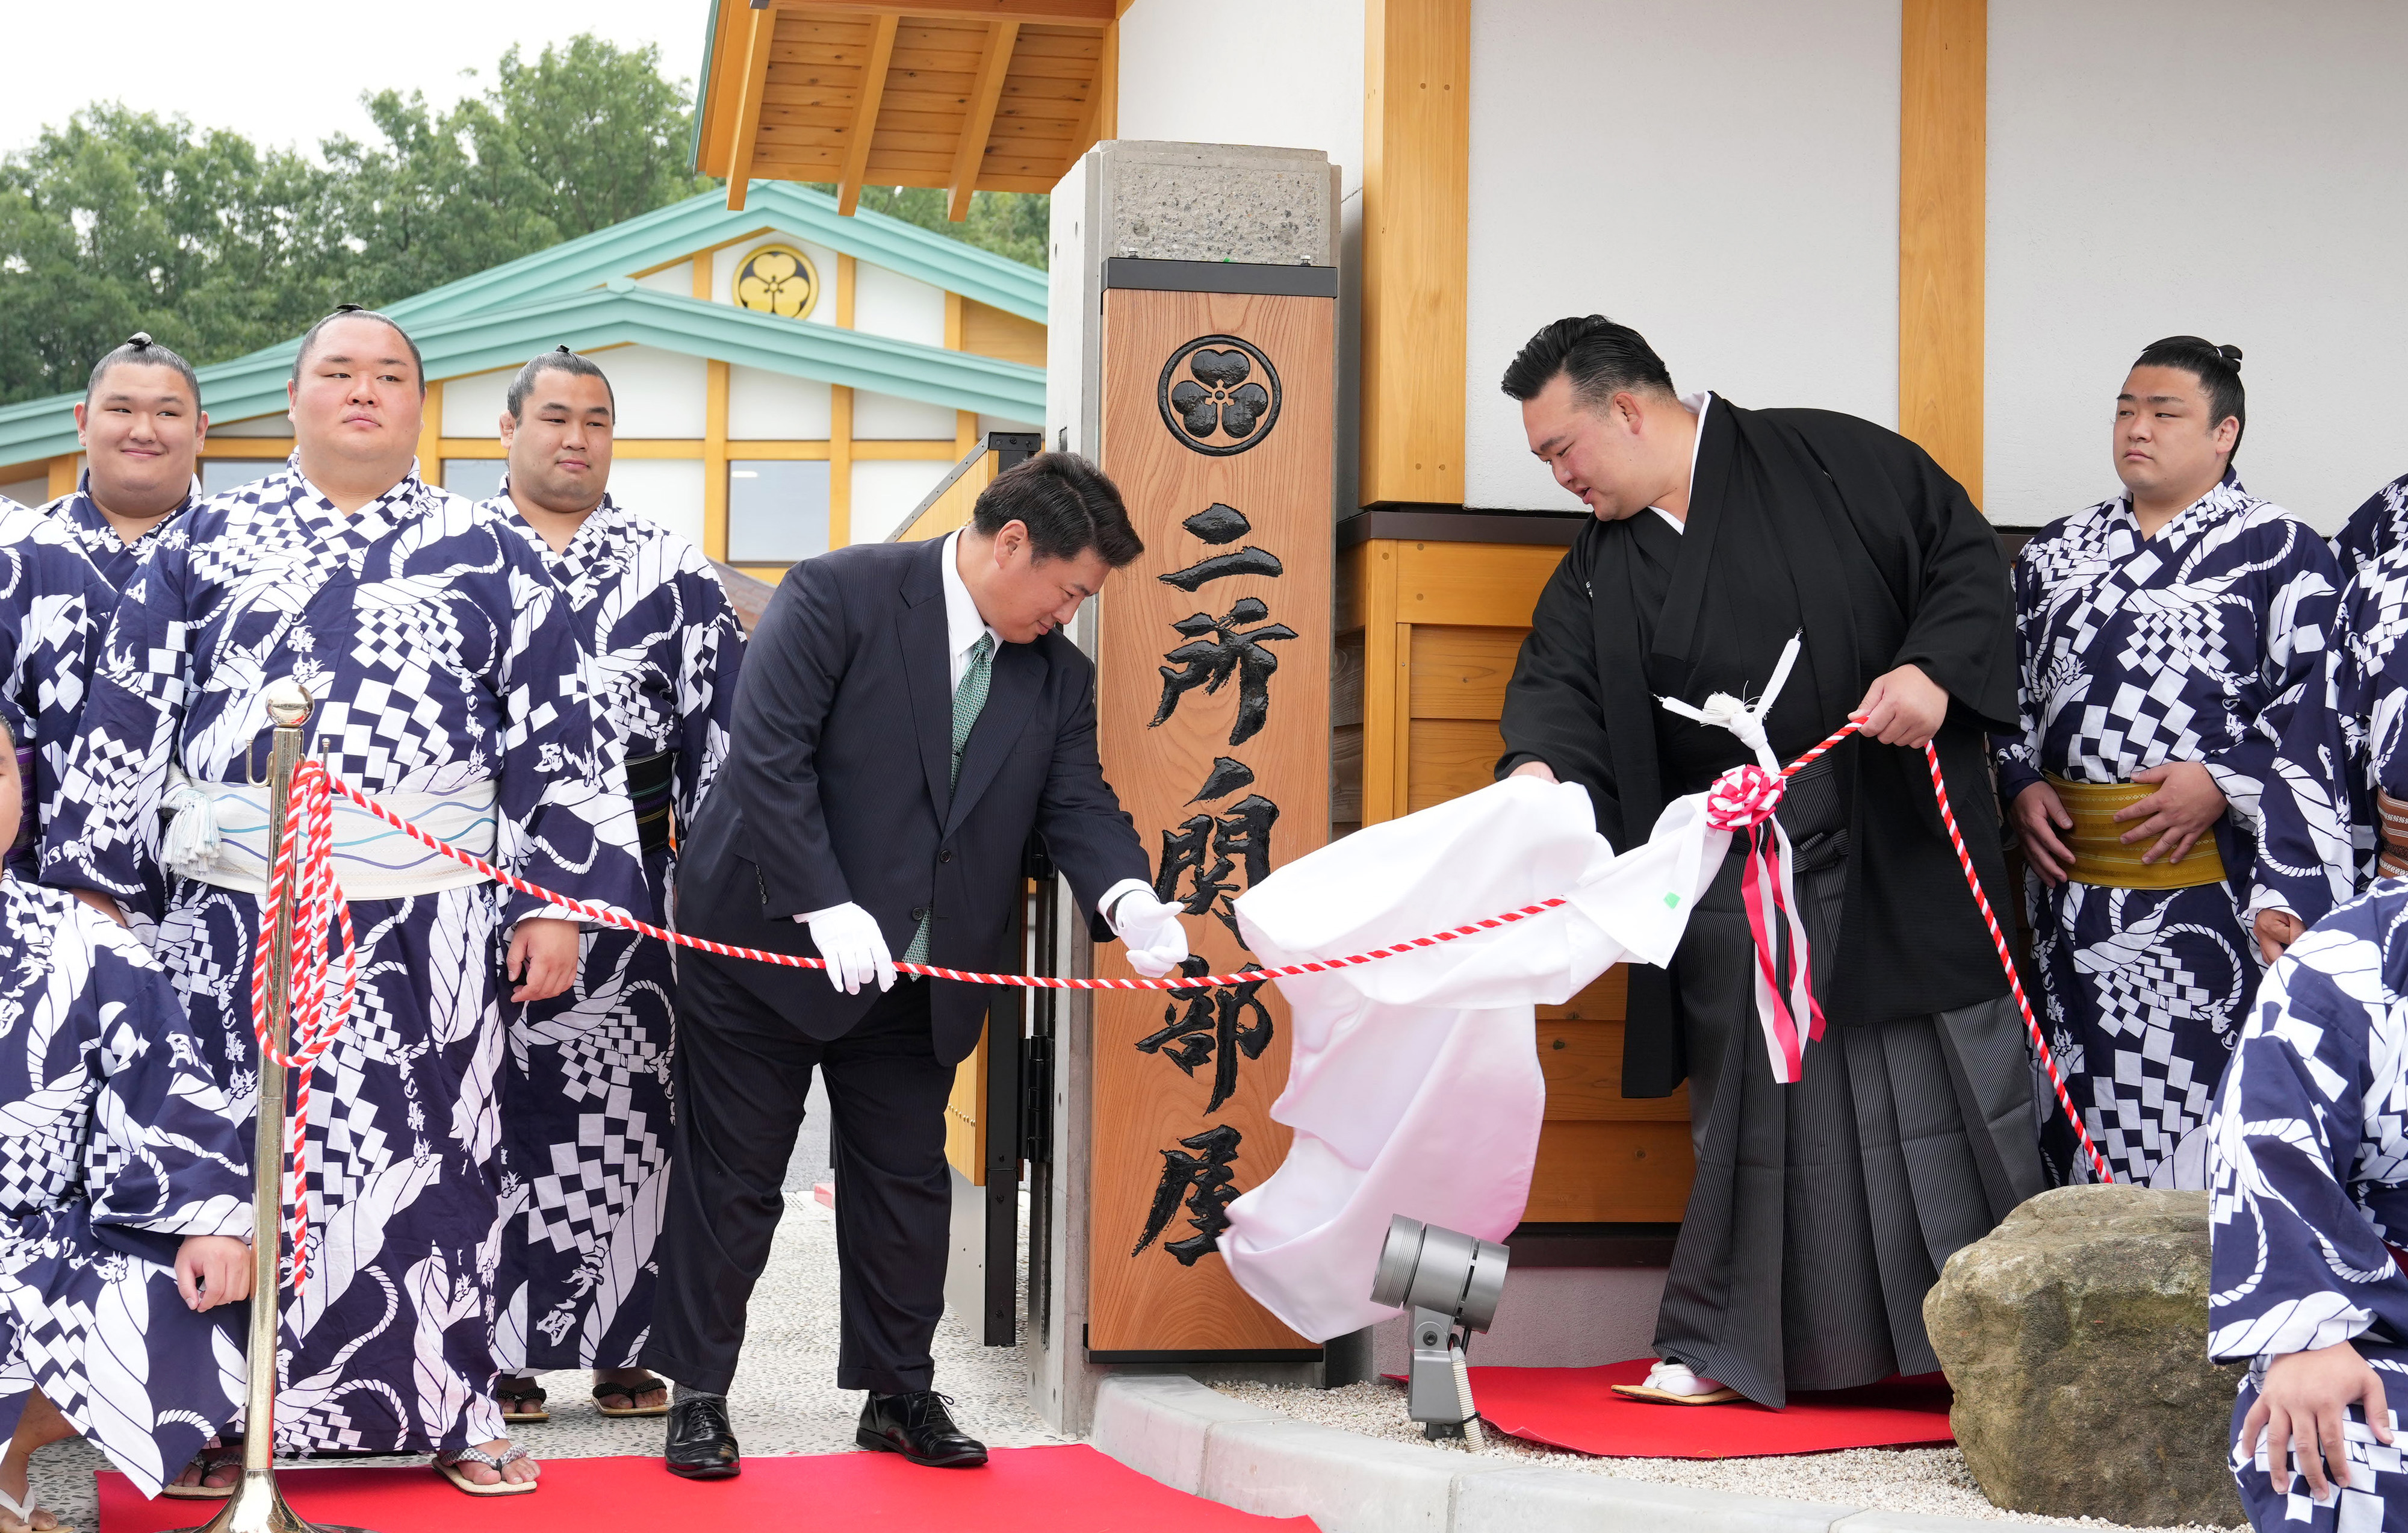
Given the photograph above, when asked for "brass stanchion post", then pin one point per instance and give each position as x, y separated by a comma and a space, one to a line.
257, 1505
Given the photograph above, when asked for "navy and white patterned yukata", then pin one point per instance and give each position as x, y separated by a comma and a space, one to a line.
2309, 1166
2371, 673
53, 610
114, 557
440, 657
586, 1093
115, 560
115, 1144
2209, 643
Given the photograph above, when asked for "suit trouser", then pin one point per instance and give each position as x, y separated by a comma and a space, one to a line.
742, 1073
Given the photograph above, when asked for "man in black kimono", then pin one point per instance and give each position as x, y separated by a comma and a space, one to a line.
1822, 1211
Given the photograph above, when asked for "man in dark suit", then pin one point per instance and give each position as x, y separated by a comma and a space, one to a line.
908, 714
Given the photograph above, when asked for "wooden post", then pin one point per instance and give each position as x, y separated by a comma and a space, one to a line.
1943, 213
1217, 423
1416, 213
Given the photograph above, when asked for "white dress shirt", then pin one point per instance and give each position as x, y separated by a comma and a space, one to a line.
1696, 404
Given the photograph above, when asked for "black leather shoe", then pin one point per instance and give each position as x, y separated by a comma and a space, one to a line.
701, 1445
918, 1426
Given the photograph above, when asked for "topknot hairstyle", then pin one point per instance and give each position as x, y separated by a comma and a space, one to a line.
345, 311
2218, 371
1602, 358
558, 360
140, 348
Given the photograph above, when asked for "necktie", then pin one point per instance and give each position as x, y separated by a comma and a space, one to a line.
969, 698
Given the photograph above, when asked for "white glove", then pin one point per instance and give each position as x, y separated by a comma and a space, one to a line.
1157, 941
848, 938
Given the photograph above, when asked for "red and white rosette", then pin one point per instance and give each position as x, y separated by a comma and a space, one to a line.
1743, 802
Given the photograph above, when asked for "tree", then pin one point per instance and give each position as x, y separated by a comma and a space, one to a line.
585, 136
1010, 224
122, 220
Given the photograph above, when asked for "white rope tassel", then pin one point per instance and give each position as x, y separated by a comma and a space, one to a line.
1771, 881
190, 846
1742, 718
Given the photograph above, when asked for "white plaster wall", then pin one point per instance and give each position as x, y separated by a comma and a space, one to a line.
996, 423
884, 418
763, 405
725, 262
1721, 174
32, 492
884, 493
667, 490
2235, 174
887, 303
678, 280
660, 393
472, 404
1189, 74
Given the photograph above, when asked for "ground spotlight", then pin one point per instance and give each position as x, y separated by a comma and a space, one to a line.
1451, 1283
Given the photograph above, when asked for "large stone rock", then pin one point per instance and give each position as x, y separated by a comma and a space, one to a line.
2075, 1336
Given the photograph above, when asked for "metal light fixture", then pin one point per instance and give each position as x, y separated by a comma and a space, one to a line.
1451, 1282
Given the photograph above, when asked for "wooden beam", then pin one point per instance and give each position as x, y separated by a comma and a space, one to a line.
1942, 212
864, 114
430, 436
1028, 12
840, 421
984, 97
747, 127
714, 461
1416, 212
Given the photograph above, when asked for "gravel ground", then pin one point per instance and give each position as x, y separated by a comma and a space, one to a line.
1920, 1480
785, 1399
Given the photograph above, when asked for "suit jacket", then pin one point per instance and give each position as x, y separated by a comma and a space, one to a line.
837, 788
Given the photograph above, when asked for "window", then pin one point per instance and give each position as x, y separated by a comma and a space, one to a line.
219, 474
777, 510
478, 478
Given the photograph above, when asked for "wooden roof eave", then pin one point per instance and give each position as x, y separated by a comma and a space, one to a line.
960, 96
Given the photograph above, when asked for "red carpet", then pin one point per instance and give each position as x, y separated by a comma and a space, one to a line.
1021, 1490
1576, 1408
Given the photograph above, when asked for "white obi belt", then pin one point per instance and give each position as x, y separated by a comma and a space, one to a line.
220, 834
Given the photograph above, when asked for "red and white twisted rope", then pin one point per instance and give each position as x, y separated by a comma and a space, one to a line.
306, 838
1046, 981
629, 923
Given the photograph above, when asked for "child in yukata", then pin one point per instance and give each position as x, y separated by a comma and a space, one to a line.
125, 1196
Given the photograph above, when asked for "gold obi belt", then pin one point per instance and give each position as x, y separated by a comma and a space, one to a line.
2100, 858
2393, 863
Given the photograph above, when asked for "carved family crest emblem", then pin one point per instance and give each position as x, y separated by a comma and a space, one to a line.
1219, 395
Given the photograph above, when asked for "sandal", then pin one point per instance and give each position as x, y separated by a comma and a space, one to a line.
216, 1457
24, 1511
629, 1389
515, 1394
447, 1462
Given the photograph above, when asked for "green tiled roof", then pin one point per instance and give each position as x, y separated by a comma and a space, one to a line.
616, 313
577, 294
666, 234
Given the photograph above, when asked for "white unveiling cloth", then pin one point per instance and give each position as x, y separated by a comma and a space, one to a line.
1414, 1083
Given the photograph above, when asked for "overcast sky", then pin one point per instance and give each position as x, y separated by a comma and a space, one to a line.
286, 72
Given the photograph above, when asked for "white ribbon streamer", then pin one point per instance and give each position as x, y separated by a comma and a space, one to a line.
1741, 806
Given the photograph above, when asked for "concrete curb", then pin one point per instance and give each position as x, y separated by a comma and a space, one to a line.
1195, 1438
